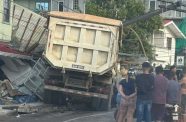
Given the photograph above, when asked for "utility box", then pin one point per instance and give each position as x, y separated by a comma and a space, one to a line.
82, 42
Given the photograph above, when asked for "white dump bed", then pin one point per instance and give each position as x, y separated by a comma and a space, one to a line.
82, 42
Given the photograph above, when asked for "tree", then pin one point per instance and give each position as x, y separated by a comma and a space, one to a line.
126, 10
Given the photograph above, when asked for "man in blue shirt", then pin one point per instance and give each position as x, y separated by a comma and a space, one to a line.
173, 91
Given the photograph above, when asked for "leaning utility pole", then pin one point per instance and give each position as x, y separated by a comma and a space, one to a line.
163, 8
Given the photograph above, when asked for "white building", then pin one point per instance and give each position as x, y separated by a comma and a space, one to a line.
164, 42
154, 4
68, 5
53, 5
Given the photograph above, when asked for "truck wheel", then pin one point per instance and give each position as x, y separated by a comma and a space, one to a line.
100, 104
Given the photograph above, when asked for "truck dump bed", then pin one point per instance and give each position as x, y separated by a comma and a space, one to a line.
82, 42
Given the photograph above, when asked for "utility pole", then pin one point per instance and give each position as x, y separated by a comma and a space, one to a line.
163, 8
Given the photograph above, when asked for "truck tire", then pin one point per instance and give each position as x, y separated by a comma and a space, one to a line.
99, 104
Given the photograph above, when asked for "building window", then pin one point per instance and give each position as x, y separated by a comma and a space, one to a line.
169, 43
76, 4
60, 6
42, 6
159, 39
6, 11
178, 13
152, 5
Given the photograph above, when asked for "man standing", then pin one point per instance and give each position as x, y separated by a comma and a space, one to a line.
128, 98
173, 70
145, 85
159, 95
173, 91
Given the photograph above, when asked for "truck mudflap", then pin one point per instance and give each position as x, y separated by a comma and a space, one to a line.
77, 92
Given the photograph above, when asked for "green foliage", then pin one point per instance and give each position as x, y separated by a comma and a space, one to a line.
126, 10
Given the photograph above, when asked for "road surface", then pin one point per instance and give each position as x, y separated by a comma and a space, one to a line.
74, 116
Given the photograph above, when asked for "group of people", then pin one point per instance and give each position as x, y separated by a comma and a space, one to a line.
148, 93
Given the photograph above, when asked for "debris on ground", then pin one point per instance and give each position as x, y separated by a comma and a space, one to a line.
21, 88
31, 108
10, 95
28, 78
18, 116
26, 99
7, 112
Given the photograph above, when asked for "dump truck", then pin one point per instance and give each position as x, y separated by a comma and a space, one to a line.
82, 49
85, 48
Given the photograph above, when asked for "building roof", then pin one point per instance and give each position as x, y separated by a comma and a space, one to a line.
85, 17
173, 28
166, 21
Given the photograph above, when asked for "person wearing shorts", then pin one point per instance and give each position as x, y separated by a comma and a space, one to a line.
128, 98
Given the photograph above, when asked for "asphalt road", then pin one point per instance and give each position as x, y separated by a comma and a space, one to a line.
75, 116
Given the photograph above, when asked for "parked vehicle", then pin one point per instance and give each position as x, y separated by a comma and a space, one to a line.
85, 48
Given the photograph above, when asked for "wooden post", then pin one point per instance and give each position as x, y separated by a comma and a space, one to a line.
20, 17
32, 33
26, 28
37, 43
13, 11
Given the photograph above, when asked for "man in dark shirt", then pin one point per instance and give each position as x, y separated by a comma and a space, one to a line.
128, 98
144, 84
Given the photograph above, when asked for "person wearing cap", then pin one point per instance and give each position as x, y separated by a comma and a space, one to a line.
159, 95
145, 85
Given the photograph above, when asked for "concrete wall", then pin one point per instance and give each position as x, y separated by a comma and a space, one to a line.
30, 4
68, 5
5, 27
163, 55
55, 4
